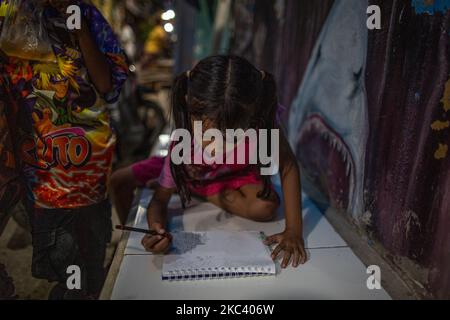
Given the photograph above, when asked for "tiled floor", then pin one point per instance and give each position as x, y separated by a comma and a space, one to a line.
332, 272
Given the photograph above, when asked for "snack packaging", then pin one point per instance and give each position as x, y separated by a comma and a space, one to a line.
23, 34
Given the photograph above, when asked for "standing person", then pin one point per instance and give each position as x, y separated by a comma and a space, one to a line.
66, 143
156, 43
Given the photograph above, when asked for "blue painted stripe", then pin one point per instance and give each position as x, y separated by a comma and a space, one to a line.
431, 6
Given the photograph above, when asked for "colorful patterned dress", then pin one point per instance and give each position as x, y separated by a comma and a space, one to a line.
65, 140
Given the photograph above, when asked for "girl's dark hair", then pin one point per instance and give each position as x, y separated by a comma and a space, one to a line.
229, 91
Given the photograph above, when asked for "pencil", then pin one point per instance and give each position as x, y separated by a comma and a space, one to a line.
151, 232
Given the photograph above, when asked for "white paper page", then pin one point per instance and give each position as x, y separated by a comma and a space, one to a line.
242, 251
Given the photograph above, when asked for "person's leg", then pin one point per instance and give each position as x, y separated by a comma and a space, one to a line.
245, 203
55, 248
94, 230
122, 185
124, 182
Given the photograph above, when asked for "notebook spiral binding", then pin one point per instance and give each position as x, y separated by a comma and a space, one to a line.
215, 273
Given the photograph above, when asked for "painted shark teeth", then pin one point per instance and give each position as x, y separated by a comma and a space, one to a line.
315, 123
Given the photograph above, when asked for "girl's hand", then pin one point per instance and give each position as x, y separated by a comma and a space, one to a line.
291, 243
159, 244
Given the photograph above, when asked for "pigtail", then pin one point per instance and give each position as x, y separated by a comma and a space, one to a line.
269, 104
180, 112
269, 100
227, 114
181, 119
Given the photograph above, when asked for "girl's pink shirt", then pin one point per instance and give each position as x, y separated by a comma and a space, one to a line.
209, 179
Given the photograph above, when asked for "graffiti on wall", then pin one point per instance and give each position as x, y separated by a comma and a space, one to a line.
370, 124
407, 164
328, 119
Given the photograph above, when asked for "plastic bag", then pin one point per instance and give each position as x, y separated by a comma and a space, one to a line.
23, 33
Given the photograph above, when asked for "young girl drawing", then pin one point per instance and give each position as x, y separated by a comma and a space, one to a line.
227, 92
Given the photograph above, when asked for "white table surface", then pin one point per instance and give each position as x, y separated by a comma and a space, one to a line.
332, 272
205, 216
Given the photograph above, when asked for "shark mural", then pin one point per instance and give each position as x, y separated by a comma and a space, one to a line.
370, 125
328, 121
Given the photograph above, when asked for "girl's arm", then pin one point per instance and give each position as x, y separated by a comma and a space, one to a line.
157, 220
290, 241
290, 182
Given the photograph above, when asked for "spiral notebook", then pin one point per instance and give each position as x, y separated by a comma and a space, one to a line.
217, 254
